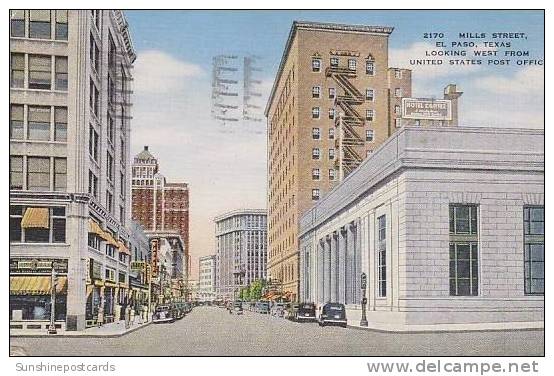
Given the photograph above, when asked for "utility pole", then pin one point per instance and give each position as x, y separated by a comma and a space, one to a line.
52, 326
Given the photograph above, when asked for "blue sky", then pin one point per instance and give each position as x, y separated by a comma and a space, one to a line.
227, 169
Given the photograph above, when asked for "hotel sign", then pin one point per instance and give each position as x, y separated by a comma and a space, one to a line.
138, 265
42, 265
428, 109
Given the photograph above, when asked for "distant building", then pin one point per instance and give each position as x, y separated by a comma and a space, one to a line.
446, 223
241, 239
206, 278
138, 277
158, 205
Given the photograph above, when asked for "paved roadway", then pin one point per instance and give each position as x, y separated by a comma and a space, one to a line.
212, 331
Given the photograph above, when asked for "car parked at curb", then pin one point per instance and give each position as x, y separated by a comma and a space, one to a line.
305, 312
163, 315
333, 314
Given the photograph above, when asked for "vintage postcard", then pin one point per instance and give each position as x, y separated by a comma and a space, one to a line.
277, 183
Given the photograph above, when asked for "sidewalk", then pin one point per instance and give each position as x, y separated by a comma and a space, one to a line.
470, 327
115, 329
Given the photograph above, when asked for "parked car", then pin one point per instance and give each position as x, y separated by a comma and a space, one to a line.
333, 314
178, 310
163, 315
236, 308
262, 307
278, 309
305, 312
290, 311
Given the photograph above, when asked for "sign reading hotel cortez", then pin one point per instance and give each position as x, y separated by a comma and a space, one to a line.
37, 265
429, 109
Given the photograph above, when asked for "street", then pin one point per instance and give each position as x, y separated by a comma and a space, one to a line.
213, 331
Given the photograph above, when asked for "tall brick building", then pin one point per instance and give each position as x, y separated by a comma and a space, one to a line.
157, 204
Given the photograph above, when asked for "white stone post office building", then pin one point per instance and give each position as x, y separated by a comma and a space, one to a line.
447, 224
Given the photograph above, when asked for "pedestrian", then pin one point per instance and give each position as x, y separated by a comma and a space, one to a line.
122, 312
100, 319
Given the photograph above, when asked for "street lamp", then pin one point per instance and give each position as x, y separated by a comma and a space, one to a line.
363, 321
52, 326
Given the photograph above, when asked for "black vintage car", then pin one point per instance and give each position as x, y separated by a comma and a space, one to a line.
333, 314
163, 314
305, 312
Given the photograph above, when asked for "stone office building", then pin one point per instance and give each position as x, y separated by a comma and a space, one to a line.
446, 223
70, 73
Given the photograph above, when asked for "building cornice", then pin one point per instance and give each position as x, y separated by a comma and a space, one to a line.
237, 212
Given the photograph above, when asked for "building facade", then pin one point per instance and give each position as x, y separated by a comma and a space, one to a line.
334, 100
241, 256
206, 278
70, 75
158, 205
446, 223
139, 274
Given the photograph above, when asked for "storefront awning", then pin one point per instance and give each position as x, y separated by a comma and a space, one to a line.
35, 218
109, 239
123, 248
94, 228
36, 285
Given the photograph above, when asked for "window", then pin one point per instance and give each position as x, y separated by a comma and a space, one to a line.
94, 54
60, 124
397, 109
331, 154
315, 153
369, 94
17, 23
111, 91
331, 113
112, 52
54, 233
334, 61
17, 70
368, 153
331, 174
315, 174
315, 112
352, 64
39, 25
533, 224
111, 130
122, 151
463, 250
398, 74
110, 273
369, 134
382, 256
61, 24
398, 122
96, 15
369, 115
61, 73
40, 72
316, 133
16, 172
109, 201
122, 276
122, 215
94, 98
93, 143
315, 194
370, 67
93, 184
316, 92
331, 133
109, 166
332, 92
38, 174
38, 123
16, 121
122, 184
316, 65
398, 92
60, 174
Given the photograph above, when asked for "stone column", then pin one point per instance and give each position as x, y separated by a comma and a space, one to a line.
350, 263
334, 269
342, 265
319, 254
327, 269
358, 263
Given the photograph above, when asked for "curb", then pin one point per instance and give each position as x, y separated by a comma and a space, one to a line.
84, 335
430, 331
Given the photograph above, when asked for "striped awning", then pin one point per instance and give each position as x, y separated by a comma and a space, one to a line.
94, 228
123, 248
109, 239
36, 285
35, 218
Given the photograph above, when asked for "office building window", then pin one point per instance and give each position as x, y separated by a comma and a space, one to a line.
92, 184
109, 166
60, 174
111, 130
38, 123
398, 122
40, 72
370, 67
533, 224
369, 134
315, 174
334, 61
331, 154
60, 124
369, 94
382, 256
94, 55
38, 174
315, 153
398, 92
398, 74
16, 121
331, 113
331, 133
352, 64
96, 15
94, 98
93, 143
316, 92
315, 194
464, 279
331, 174
315, 112
369, 115
39, 25
61, 73
332, 93
55, 222
368, 153
109, 201
397, 109
16, 172
61, 24
17, 23
316, 133
316, 65
17, 70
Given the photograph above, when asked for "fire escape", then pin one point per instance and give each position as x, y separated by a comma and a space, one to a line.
347, 119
